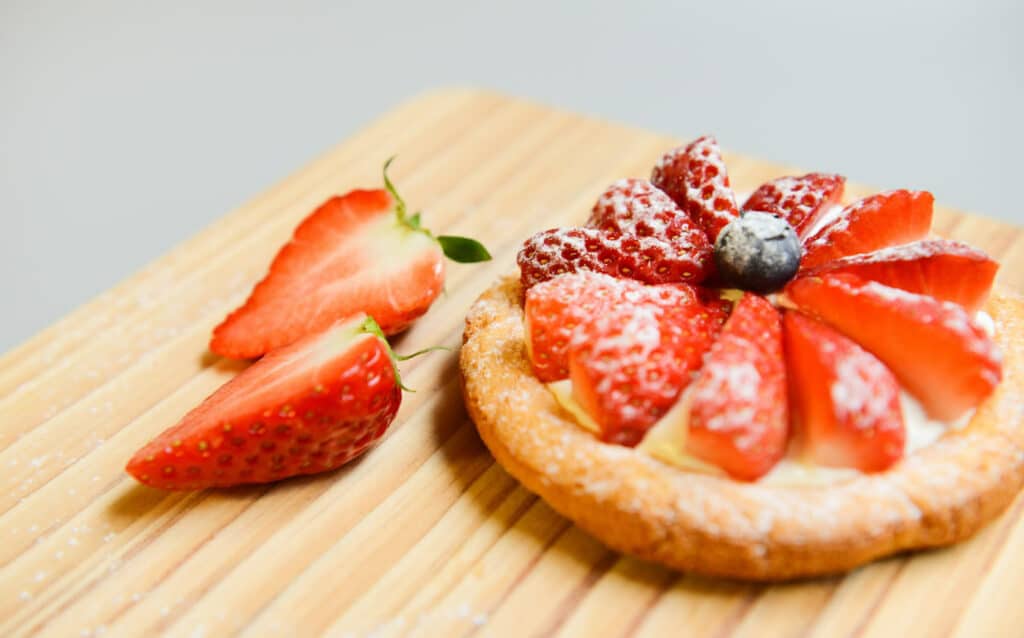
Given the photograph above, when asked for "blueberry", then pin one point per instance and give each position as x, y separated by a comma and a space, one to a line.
757, 251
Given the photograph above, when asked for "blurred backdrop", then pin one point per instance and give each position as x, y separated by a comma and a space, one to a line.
127, 127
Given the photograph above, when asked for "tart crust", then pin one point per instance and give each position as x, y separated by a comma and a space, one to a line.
717, 526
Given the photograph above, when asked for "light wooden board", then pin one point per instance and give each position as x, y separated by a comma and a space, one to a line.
425, 535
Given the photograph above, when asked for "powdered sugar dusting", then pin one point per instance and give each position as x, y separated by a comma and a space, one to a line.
944, 313
739, 418
837, 225
883, 219
630, 349
679, 255
860, 390
624, 357
839, 221
556, 308
799, 200
739, 380
984, 321
826, 218
631, 204
912, 252
695, 177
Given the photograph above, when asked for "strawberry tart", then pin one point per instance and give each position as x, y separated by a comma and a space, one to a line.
775, 389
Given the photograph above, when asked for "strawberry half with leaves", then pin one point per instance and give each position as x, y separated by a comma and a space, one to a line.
798, 200
845, 402
940, 268
360, 252
694, 176
935, 349
629, 364
302, 409
738, 410
878, 221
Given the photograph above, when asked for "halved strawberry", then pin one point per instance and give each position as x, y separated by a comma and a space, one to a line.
940, 268
798, 200
361, 252
694, 176
629, 364
884, 219
738, 413
558, 251
648, 259
554, 309
306, 408
937, 351
845, 403
637, 207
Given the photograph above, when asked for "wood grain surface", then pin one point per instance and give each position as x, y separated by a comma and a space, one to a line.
425, 535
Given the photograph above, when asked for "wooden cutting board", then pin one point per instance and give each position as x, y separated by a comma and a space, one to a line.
425, 535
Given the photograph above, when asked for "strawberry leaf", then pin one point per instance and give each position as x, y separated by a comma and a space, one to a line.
463, 249
459, 249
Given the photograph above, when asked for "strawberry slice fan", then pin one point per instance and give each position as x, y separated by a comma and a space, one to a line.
724, 338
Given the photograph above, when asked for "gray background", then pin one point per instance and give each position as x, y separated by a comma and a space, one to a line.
126, 126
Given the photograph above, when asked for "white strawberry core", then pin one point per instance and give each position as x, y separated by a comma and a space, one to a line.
334, 341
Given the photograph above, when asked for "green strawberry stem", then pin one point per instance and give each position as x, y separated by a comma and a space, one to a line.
370, 326
463, 250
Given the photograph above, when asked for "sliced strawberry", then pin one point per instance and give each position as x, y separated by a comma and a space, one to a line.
559, 251
938, 353
694, 176
799, 200
738, 413
635, 232
845, 403
940, 268
555, 308
636, 207
356, 253
648, 259
629, 364
882, 220
306, 408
